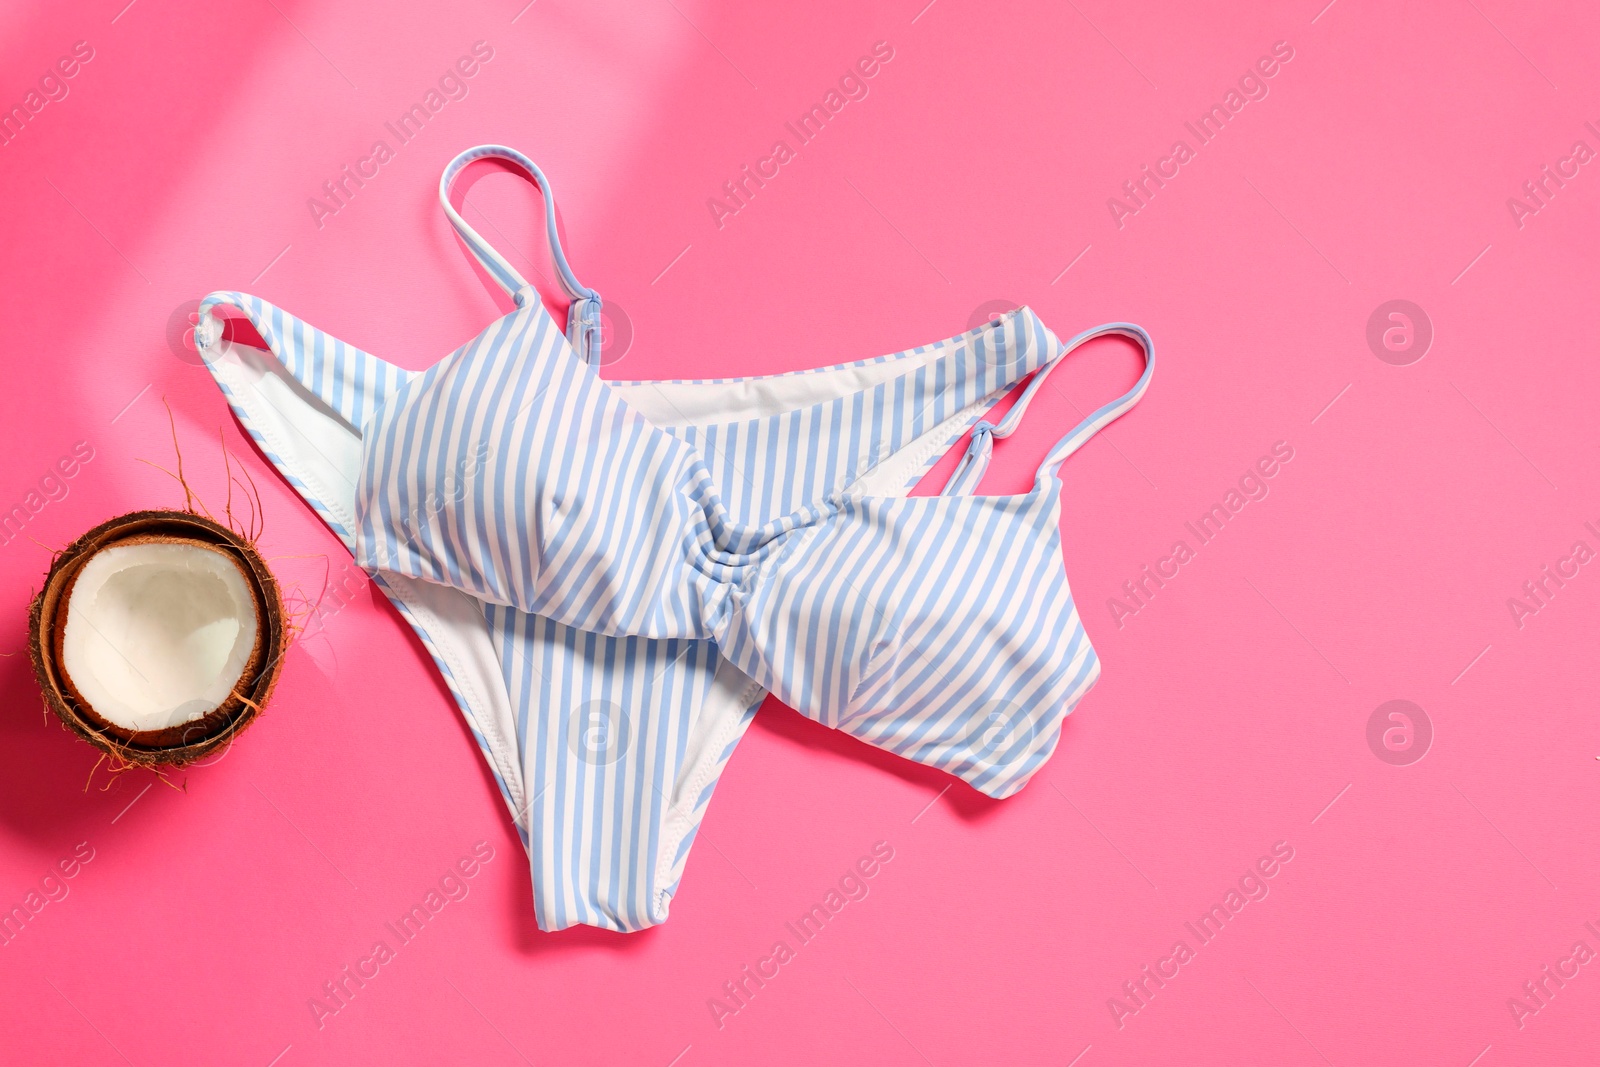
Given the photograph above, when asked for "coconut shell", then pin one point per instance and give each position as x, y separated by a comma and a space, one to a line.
172, 746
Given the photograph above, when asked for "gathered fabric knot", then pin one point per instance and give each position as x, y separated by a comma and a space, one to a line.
982, 438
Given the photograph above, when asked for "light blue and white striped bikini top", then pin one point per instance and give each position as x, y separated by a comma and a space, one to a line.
940, 627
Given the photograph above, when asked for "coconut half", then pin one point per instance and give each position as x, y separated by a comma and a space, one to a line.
158, 636
158, 632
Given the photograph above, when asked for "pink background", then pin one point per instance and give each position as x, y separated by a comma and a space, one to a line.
1234, 705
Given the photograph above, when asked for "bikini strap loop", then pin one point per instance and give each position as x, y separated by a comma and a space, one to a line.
971, 468
583, 315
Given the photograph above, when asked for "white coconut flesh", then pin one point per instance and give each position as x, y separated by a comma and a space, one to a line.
158, 634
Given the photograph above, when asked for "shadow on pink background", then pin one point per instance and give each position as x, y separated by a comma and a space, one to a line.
1424, 899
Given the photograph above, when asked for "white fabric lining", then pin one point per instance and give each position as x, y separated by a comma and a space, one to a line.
673, 403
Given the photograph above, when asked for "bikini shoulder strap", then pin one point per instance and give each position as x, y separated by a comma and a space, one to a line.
583, 316
981, 447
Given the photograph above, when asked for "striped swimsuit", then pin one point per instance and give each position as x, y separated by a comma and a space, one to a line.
610, 576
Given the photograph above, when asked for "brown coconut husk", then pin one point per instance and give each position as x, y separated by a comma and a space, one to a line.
173, 746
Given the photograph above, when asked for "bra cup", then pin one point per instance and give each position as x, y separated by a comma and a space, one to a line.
984, 717
961, 680
568, 471
591, 537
